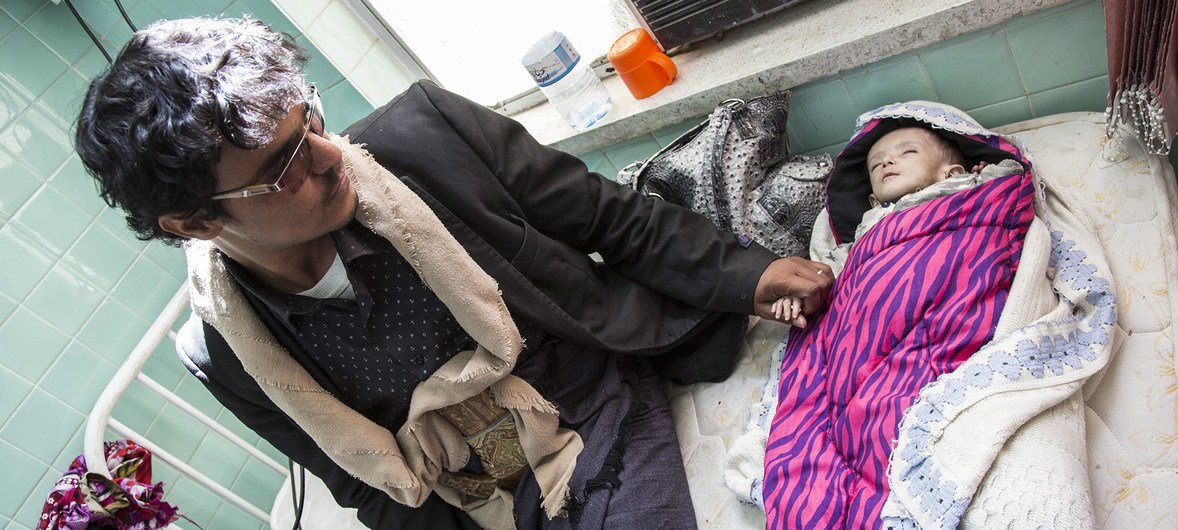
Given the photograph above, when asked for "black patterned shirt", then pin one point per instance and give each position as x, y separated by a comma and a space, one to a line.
377, 348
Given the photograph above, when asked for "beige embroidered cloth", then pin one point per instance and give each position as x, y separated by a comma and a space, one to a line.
405, 466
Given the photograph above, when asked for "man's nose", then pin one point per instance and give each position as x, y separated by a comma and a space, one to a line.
324, 154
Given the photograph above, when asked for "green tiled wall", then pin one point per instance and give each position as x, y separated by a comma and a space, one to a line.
77, 290
1044, 63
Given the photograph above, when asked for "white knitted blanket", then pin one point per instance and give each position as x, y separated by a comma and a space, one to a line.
1004, 433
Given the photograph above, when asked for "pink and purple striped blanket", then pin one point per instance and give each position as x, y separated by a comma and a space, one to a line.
920, 293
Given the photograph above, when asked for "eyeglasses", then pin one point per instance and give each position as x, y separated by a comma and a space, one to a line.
312, 122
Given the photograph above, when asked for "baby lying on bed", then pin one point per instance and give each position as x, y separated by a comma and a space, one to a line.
925, 253
908, 166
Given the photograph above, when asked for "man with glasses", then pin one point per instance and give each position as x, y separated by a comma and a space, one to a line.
313, 120
408, 310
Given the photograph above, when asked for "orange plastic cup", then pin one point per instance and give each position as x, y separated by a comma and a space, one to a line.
641, 64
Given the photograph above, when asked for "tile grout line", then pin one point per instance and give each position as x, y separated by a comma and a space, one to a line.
23, 302
851, 96
7, 422
375, 43
927, 77
1018, 70
805, 115
26, 453
33, 495
69, 64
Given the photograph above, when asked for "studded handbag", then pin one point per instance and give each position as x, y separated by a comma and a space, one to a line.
734, 169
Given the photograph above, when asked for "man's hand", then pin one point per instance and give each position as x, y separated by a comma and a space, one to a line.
806, 281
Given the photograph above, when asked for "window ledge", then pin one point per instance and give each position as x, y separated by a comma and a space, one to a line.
809, 41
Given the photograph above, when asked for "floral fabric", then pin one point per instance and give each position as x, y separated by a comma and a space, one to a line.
127, 501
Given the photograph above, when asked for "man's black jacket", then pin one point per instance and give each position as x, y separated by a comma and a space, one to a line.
528, 215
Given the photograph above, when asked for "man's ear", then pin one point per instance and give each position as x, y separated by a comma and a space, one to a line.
190, 226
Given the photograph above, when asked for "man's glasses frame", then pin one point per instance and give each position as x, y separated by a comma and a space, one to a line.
314, 113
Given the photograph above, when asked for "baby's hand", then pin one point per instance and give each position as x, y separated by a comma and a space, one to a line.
789, 310
977, 168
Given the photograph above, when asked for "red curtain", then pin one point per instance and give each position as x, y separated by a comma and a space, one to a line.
1143, 69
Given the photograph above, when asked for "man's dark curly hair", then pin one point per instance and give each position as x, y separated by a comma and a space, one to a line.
151, 128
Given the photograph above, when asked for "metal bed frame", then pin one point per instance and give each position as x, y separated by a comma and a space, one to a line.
130, 371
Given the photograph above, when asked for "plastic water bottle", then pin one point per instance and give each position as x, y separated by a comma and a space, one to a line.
567, 81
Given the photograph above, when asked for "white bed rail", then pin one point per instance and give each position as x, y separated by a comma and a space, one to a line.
131, 370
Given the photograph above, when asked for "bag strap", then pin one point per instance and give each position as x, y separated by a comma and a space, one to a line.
633, 173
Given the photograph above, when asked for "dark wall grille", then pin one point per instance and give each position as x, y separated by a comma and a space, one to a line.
677, 22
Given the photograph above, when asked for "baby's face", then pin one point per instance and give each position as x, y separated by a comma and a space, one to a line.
903, 161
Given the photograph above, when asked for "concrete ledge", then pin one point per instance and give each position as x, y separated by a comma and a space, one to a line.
810, 41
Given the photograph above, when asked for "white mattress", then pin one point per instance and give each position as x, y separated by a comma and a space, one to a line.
1132, 408
709, 417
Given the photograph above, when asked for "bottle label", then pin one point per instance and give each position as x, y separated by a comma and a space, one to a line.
554, 66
